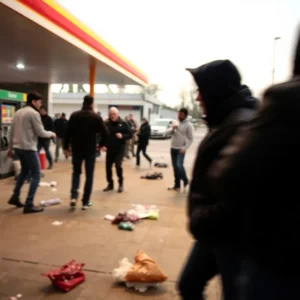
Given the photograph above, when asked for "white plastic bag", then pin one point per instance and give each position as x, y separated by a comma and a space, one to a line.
120, 273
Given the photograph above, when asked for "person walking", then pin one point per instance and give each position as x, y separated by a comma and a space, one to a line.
256, 183
81, 134
133, 127
128, 142
45, 143
60, 126
182, 138
118, 134
227, 105
25, 129
143, 140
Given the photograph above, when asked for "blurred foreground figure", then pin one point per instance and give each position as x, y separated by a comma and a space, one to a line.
227, 105
257, 180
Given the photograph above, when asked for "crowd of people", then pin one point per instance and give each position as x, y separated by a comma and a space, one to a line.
80, 137
243, 211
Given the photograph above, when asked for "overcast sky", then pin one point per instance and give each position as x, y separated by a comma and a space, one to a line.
163, 37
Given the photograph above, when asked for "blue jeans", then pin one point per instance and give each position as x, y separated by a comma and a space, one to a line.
77, 160
45, 143
256, 283
179, 171
29, 164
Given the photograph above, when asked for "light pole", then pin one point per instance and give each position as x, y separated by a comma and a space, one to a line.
274, 57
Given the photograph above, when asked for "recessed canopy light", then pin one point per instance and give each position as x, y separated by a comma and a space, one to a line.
20, 66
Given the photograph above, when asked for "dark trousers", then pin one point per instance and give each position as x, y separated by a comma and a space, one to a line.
45, 143
89, 162
179, 171
202, 265
257, 283
30, 163
142, 148
116, 158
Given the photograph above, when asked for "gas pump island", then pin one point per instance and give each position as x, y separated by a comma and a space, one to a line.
10, 102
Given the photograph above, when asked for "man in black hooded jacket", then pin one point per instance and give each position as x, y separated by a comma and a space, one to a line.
265, 154
227, 105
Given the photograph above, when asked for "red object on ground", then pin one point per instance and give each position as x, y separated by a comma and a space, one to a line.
42, 156
66, 277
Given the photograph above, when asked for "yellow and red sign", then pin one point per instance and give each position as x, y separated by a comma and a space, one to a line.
56, 14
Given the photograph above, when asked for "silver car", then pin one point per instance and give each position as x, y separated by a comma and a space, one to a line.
161, 128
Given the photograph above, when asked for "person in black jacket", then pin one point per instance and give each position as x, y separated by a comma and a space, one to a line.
118, 134
83, 127
256, 182
143, 140
60, 127
227, 105
45, 143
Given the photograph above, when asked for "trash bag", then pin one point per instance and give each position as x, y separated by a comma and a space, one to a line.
66, 277
145, 269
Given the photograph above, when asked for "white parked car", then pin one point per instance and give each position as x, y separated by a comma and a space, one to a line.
161, 128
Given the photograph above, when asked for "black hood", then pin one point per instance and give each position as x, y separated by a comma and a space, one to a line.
219, 83
297, 59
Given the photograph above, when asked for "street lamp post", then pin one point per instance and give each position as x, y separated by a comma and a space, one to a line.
274, 58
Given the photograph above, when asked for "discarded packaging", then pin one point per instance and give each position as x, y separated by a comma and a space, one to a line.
141, 275
109, 217
57, 223
153, 215
141, 287
153, 176
50, 202
44, 184
19, 296
126, 226
145, 269
160, 165
120, 273
145, 211
48, 184
66, 277
125, 217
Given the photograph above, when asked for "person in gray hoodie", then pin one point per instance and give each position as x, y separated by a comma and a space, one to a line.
26, 128
182, 138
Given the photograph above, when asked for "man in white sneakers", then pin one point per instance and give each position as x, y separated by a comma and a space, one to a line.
182, 138
26, 128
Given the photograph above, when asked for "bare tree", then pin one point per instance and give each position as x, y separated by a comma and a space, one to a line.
153, 90
188, 100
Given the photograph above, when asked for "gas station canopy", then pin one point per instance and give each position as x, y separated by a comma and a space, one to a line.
52, 46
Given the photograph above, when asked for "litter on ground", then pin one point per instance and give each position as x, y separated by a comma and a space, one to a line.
57, 223
66, 277
50, 202
141, 275
48, 184
161, 165
153, 176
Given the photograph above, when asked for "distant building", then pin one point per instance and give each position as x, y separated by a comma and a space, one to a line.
138, 104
